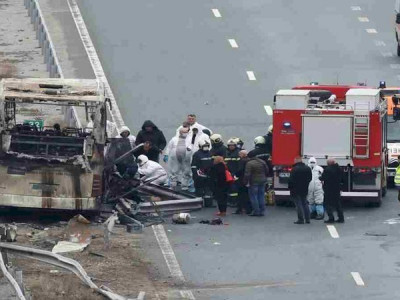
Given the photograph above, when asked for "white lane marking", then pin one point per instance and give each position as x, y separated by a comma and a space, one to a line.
251, 75
387, 54
371, 30
355, 8
268, 110
216, 13
170, 258
357, 278
94, 60
395, 66
233, 43
394, 220
333, 232
363, 19
187, 295
379, 43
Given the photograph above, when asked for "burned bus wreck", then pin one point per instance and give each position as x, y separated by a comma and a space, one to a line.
49, 159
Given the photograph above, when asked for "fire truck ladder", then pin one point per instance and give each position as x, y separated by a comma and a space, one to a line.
361, 134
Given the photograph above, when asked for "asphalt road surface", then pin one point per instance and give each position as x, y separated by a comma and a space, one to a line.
165, 59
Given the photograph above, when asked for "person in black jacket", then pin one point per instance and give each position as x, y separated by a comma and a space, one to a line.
220, 186
218, 148
151, 133
244, 205
332, 179
232, 162
201, 165
299, 179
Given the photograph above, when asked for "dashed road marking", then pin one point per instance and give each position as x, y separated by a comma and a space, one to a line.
371, 30
387, 54
333, 232
355, 8
233, 43
251, 75
395, 66
216, 13
357, 278
363, 19
268, 110
379, 43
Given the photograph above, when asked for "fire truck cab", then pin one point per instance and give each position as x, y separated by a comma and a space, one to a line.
354, 134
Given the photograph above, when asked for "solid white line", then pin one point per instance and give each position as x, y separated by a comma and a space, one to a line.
94, 60
371, 30
268, 110
363, 19
216, 13
233, 43
379, 43
355, 8
332, 230
170, 258
357, 278
251, 75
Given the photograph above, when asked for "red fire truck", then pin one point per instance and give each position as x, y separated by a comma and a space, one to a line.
352, 132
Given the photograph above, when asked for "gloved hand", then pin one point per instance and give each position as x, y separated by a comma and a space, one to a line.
165, 159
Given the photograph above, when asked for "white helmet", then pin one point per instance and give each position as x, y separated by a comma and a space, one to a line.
142, 159
270, 128
124, 129
259, 140
216, 138
232, 141
203, 143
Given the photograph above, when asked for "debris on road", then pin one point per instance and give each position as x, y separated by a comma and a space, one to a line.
375, 234
108, 228
65, 247
8, 233
216, 221
182, 218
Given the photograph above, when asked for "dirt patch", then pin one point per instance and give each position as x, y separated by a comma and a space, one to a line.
123, 268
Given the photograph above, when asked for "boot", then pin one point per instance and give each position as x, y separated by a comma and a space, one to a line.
313, 215
329, 221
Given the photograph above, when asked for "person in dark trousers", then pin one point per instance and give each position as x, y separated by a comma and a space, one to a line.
299, 180
232, 161
244, 205
220, 186
201, 165
151, 133
332, 180
255, 174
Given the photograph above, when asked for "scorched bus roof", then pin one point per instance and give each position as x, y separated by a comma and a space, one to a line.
61, 91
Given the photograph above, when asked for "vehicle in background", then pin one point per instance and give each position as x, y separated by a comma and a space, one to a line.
397, 25
354, 134
47, 158
393, 133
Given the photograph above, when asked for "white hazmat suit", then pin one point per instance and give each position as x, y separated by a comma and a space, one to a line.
315, 195
179, 155
198, 138
151, 171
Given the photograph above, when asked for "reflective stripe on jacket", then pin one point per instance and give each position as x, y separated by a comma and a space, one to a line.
397, 177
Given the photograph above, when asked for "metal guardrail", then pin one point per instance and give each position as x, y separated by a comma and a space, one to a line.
48, 49
43, 36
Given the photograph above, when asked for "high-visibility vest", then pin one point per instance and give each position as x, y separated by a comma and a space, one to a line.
397, 176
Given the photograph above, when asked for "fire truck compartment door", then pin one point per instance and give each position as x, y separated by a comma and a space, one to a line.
327, 136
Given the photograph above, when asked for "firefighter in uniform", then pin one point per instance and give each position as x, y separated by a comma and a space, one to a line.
397, 179
232, 161
201, 165
218, 147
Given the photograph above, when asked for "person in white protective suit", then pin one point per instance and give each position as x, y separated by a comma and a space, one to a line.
150, 171
196, 136
315, 195
178, 155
